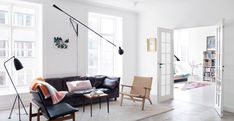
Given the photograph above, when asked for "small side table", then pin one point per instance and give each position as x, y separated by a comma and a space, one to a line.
98, 96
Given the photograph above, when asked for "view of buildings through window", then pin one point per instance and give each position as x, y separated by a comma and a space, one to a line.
19, 37
103, 58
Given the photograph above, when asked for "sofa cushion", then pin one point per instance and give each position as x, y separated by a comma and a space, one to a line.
73, 78
78, 85
97, 81
110, 83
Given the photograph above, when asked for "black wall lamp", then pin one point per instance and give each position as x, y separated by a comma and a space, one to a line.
75, 27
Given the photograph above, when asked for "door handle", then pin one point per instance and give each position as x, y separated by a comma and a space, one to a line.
160, 64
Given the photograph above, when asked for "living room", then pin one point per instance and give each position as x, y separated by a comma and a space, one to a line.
140, 20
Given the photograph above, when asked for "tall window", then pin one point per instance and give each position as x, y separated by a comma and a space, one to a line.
103, 58
20, 37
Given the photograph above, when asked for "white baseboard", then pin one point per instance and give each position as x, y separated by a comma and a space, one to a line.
228, 109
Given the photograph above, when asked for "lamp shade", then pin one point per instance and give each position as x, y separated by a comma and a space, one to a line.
18, 64
121, 51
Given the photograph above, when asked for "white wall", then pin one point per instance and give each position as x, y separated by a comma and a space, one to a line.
59, 62
73, 61
189, 45
184, 14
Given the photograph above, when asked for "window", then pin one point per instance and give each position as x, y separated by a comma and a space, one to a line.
24, 49
102, 56
20, 25
23, 19
2, 79
3, 48
3, 17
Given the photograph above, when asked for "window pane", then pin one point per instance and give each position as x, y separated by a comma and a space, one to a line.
24, 48
4, 14
4, 38
24, 16
19, 19
28, 20
2, 79
3, 17
107, 26
101, 56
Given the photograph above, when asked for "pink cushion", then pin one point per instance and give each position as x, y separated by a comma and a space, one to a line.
78, 85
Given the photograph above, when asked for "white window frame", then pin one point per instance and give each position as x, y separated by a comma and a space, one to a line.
11, 49
113, 35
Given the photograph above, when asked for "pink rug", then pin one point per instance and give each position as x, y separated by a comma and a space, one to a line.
192, 85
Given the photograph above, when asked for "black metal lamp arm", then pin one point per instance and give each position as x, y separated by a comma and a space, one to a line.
72, 19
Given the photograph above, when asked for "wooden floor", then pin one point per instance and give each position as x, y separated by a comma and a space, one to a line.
192, 105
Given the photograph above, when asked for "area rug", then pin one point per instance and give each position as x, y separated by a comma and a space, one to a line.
130, 111
193, 85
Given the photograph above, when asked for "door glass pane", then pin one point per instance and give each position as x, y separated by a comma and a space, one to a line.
168, 80
168, 90
169, 68
163, 88
168, 37
163, 58
163, 38
163, 48
168, 58
163, 70
163, 80
168, 46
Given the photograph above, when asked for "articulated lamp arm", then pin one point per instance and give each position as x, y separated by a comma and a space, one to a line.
73, 19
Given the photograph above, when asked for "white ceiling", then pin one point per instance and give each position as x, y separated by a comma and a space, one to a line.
124, 4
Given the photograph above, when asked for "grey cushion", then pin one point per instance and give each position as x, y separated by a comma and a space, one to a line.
110, 83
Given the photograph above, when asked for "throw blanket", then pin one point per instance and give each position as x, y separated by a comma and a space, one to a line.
48, 90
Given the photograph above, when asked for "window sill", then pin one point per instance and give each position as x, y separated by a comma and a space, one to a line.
12, 92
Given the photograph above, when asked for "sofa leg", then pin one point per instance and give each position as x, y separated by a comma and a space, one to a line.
115, 98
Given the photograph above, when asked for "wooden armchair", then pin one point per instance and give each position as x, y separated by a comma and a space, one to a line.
139, 91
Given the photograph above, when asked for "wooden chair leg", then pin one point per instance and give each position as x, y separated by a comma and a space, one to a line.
143, 103
73, 116
121, 100
30, 112
38, 114
150, 101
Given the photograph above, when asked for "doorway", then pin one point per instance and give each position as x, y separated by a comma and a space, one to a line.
195, 65
185, 67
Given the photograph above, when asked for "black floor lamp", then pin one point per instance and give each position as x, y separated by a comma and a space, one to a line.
18, 66
73, 19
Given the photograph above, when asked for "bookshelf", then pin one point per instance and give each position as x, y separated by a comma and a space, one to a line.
209, 65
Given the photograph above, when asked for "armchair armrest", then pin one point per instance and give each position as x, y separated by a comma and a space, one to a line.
146, 89
123, 85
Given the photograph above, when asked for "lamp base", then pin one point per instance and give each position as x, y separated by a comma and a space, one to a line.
19, 103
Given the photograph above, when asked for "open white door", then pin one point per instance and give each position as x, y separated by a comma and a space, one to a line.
165, 66
219, 68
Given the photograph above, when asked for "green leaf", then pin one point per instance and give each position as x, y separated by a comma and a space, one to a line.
67, 40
